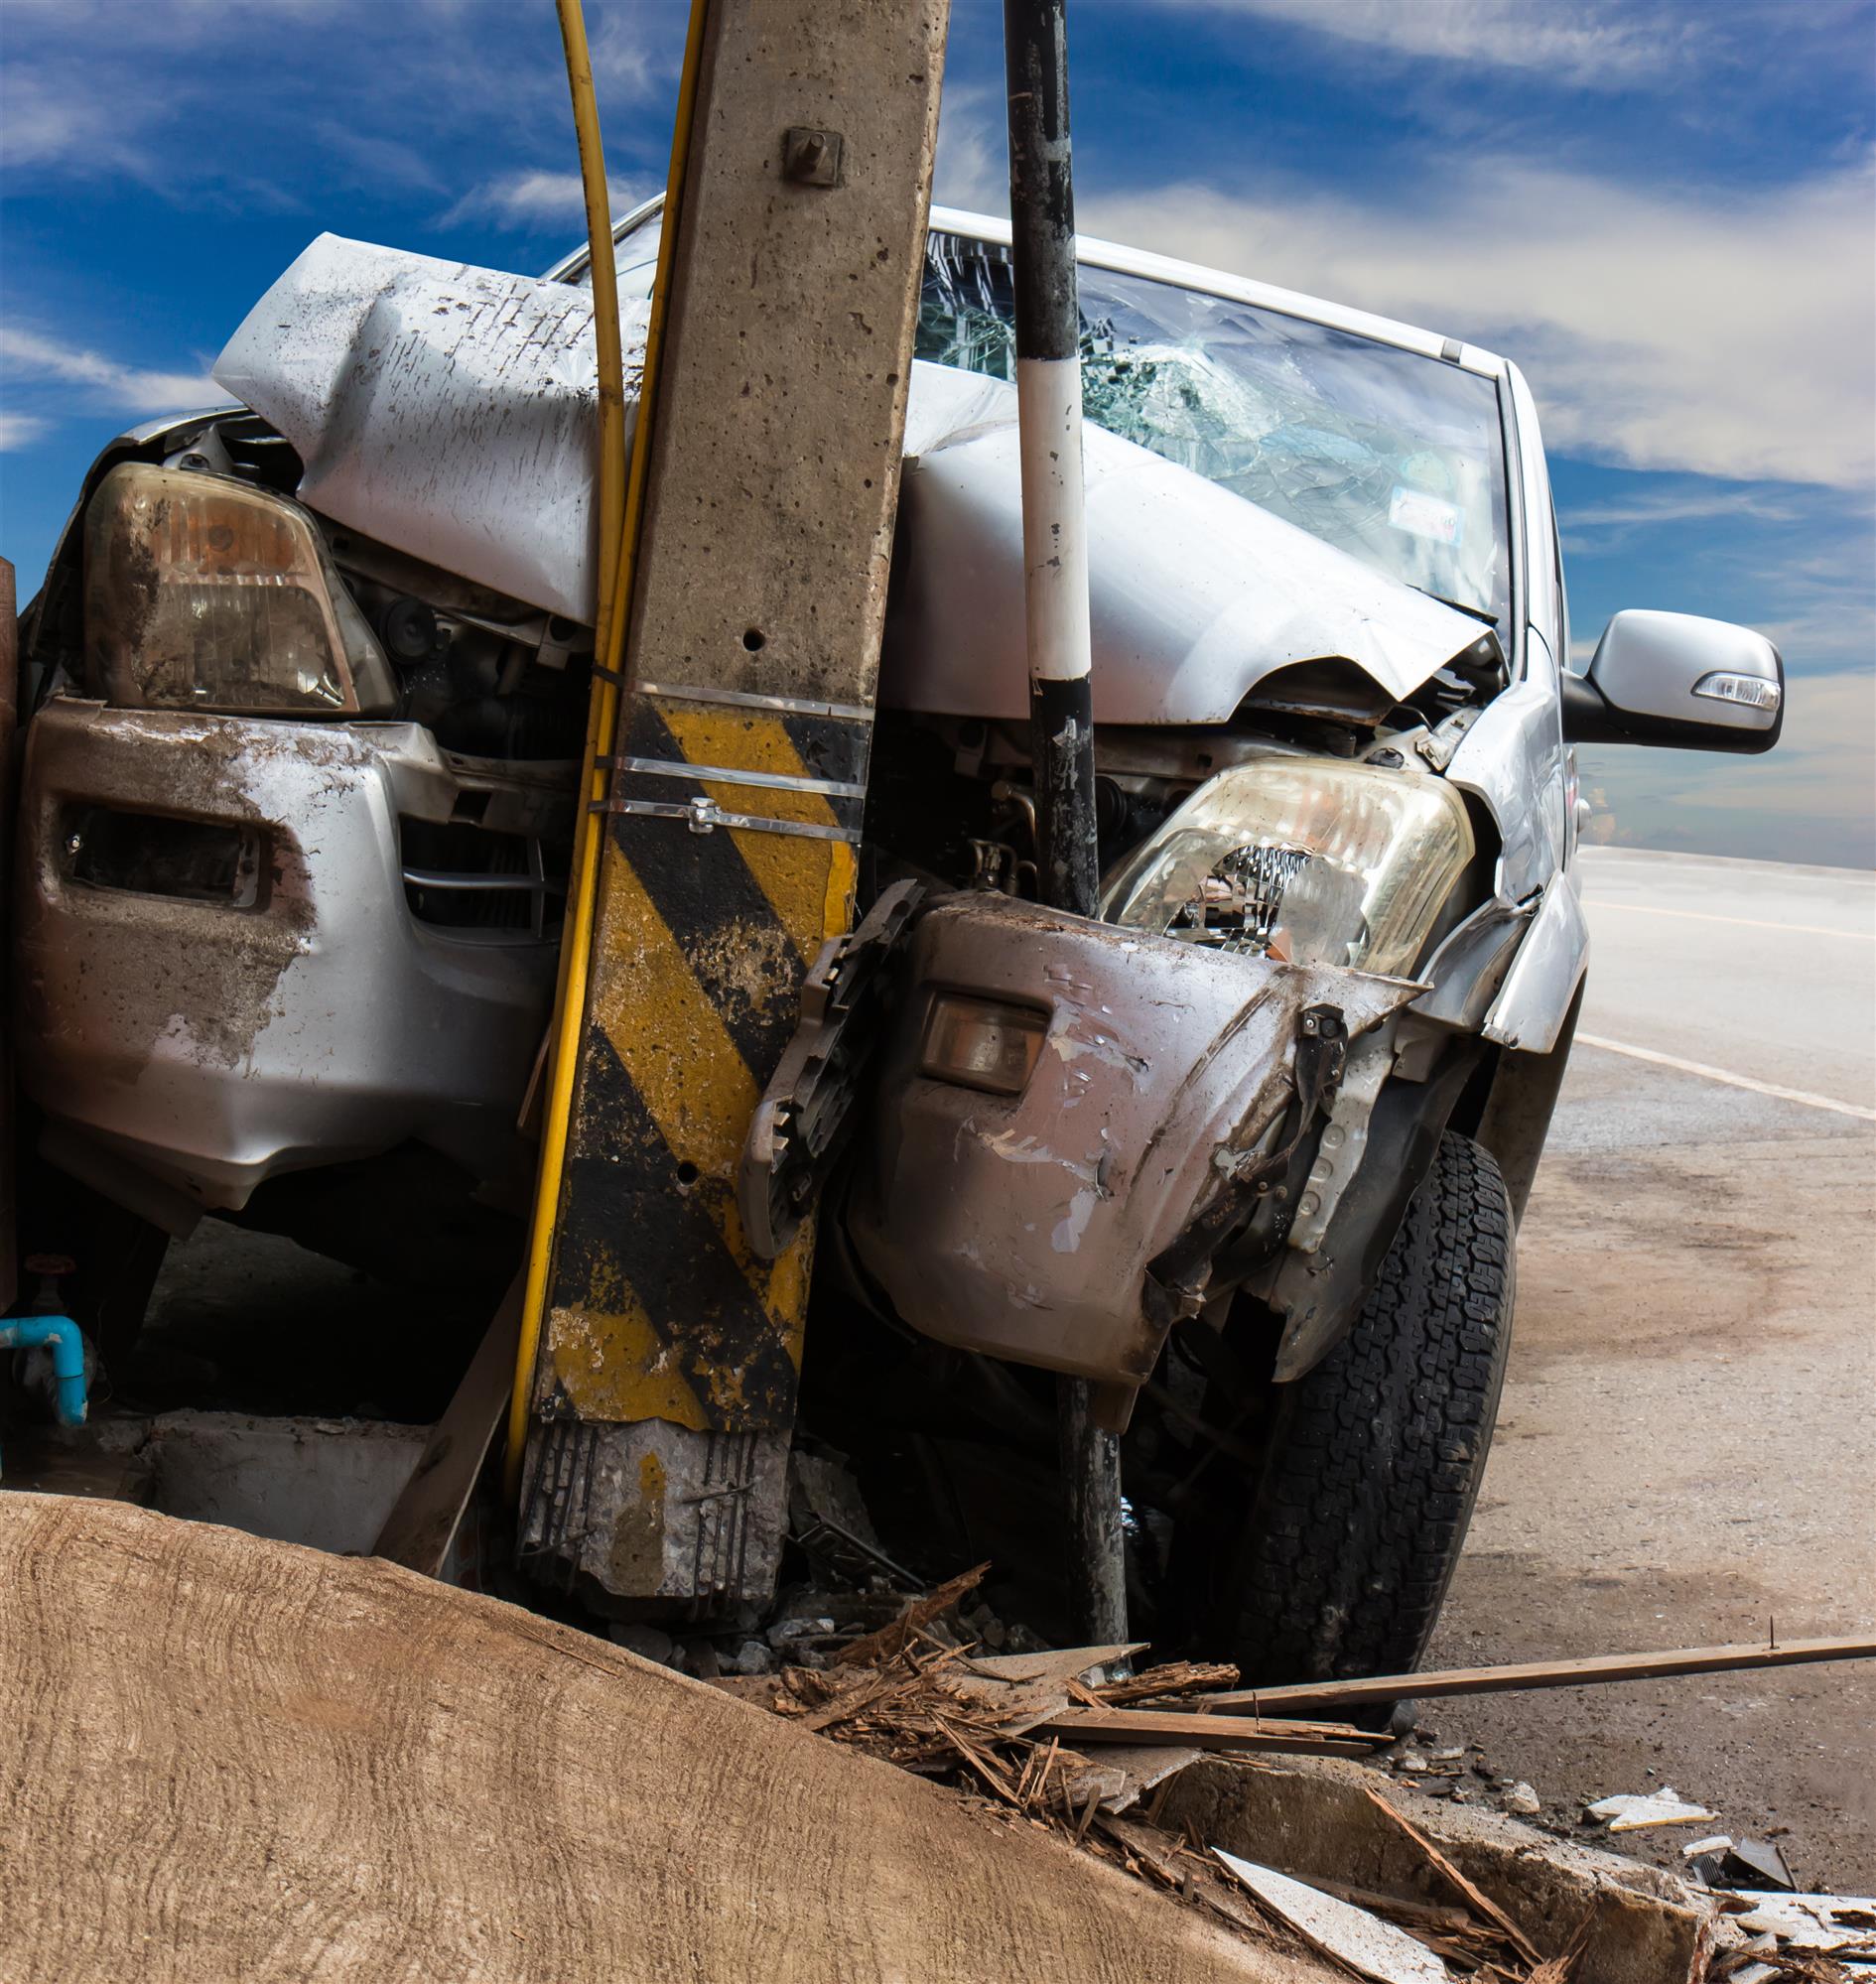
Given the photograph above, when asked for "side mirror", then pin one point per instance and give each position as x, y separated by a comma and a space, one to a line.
1677, 680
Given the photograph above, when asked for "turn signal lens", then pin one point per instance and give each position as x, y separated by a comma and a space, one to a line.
1754, 690
203, 592
981, 1043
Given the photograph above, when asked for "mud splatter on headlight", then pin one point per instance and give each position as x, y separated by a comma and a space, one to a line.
205, 593
1307, 859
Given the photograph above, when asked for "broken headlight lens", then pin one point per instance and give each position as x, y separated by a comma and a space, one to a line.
205, 593
1306, 860
981, 1043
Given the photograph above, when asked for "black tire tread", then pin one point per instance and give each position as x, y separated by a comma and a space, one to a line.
1376, 1456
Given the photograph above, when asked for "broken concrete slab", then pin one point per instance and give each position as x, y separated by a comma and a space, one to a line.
1630, 1812
1122, 1775
1313, 1818
323, 1482
1352, 1935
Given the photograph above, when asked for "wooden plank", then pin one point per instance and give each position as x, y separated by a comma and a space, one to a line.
1056, 1664
423, 1520
1209, 1732
890, 1641
1596, 1668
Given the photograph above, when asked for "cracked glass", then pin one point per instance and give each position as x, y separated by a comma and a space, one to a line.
1395, 457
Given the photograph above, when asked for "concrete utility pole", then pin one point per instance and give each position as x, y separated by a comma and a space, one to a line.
663, 1394
1061, 708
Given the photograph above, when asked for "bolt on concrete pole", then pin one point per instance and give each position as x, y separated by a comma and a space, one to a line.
1061, 710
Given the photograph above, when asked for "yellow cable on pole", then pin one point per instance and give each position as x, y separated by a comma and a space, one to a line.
603, 280
619, 540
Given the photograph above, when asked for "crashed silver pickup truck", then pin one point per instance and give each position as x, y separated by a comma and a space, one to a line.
308, 681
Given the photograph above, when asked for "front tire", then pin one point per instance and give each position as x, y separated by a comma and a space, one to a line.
1374, 1459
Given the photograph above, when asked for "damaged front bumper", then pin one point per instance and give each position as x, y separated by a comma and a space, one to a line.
1040, 1225
224, 966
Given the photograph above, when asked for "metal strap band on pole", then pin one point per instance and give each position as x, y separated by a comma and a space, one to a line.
714, 774
744, 699
705, 816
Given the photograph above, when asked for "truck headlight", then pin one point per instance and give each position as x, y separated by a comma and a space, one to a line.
1309, 860
205, 593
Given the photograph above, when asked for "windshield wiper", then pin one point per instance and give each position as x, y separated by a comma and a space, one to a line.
1458, 605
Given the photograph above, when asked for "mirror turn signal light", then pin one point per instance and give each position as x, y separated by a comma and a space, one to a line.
1754, 690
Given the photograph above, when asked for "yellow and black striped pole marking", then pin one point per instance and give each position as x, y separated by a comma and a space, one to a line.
707, 931
671, 1354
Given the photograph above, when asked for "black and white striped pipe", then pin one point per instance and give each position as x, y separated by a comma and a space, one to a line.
1048, 397
1061, 709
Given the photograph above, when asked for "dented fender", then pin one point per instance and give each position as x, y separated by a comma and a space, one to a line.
1025, 1226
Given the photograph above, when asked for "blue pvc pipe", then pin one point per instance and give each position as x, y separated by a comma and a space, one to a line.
68, 1348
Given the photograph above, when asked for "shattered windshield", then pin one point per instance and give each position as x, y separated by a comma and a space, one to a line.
1392, 457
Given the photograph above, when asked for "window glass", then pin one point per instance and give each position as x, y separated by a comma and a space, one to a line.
1392, 457
638, 259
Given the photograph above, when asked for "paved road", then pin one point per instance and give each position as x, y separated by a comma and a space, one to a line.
1685, 1451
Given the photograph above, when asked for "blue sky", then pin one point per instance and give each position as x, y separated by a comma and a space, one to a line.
1664, 212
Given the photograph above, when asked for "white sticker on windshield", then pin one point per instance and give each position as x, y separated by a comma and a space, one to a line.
1421, 515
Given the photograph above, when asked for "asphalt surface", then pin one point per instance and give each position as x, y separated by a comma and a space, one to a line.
1684, 1452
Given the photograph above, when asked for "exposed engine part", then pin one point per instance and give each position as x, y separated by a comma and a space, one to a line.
996, 866
409, 631
1176, 1279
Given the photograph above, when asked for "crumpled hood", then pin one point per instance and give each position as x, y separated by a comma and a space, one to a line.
449, 411
1195, 594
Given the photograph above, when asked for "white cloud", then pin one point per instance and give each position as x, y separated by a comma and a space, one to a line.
1592, 45
123, 388
530, 197
1728, 332
624, 56
52, 117
972, 168
1822, 609
19, 430
1647, 508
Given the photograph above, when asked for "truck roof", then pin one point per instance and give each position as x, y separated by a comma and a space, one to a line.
1148, 267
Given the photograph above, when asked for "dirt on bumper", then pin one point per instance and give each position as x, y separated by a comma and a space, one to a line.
285, 1008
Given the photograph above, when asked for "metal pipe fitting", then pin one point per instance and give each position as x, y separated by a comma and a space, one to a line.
66, 1342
